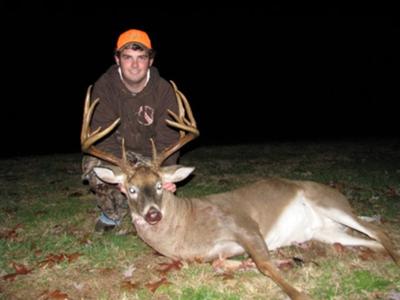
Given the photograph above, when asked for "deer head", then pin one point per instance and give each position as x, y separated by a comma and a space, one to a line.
142, 183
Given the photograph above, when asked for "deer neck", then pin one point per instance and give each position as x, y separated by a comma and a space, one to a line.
175, 206
175, 215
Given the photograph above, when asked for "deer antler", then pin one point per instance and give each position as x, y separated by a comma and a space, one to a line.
187, 127
88, 138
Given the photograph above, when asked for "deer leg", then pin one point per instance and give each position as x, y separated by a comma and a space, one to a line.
252, 241
378, 234
368, 229
338, 236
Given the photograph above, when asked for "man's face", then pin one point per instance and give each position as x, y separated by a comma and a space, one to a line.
134, 65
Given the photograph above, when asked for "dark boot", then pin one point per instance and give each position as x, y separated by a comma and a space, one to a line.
101, 227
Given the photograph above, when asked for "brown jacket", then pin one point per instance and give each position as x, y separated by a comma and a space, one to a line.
142, 115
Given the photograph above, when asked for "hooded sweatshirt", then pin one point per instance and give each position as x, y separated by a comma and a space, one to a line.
142, 115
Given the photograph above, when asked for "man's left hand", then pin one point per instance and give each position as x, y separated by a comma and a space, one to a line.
170, 187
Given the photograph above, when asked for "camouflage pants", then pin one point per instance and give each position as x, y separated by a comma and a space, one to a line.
110, 200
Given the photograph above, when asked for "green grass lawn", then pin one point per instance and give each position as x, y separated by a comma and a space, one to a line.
48, 249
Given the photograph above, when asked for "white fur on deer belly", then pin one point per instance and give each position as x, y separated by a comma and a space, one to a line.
297, 224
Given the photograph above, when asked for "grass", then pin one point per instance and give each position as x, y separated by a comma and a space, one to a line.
47, 218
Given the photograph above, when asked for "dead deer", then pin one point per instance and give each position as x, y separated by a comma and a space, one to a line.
255, 218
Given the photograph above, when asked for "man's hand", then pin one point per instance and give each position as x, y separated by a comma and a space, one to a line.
170, 187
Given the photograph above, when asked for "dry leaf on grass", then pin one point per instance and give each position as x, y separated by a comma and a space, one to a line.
53, 295
20, 269
153, 286
128, 273
168, 267
10, 234
53, 259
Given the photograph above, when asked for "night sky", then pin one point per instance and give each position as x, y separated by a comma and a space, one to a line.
252, 75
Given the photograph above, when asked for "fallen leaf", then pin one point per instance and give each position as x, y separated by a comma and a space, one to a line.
153, 286
129, 271
20, 269
53, 259
129, 285
366, 254
85, 239
339, 248
10, 234
78, 286
168, 267
106, 271
50, 295
226, 275
285, 264
73, 256
392, 192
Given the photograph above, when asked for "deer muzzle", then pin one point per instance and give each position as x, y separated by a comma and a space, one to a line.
153, 216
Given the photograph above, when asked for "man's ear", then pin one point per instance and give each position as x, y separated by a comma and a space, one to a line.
175, 173
108, 175
116, 58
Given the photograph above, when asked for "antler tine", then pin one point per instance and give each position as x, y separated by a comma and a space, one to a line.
187, 107
178, 94
153, 146
87, 115
88, 138
187, 127
184, 109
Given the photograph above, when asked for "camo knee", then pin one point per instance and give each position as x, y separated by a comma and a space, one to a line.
111, 201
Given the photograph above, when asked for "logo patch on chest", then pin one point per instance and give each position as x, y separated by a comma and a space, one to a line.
145, 115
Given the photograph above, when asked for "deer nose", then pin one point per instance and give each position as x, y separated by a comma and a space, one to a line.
153, 216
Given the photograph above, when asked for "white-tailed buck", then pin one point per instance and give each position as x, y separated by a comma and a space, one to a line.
256, 218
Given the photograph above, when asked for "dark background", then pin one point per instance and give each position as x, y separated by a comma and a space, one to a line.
252, 75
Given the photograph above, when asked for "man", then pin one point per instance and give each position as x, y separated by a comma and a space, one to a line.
132, 90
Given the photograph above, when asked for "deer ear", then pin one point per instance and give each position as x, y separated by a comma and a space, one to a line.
108, 175
175, 173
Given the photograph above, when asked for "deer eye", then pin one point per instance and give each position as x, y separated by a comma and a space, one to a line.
133, 190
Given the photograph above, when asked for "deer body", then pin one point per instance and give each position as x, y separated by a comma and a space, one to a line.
279, 211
